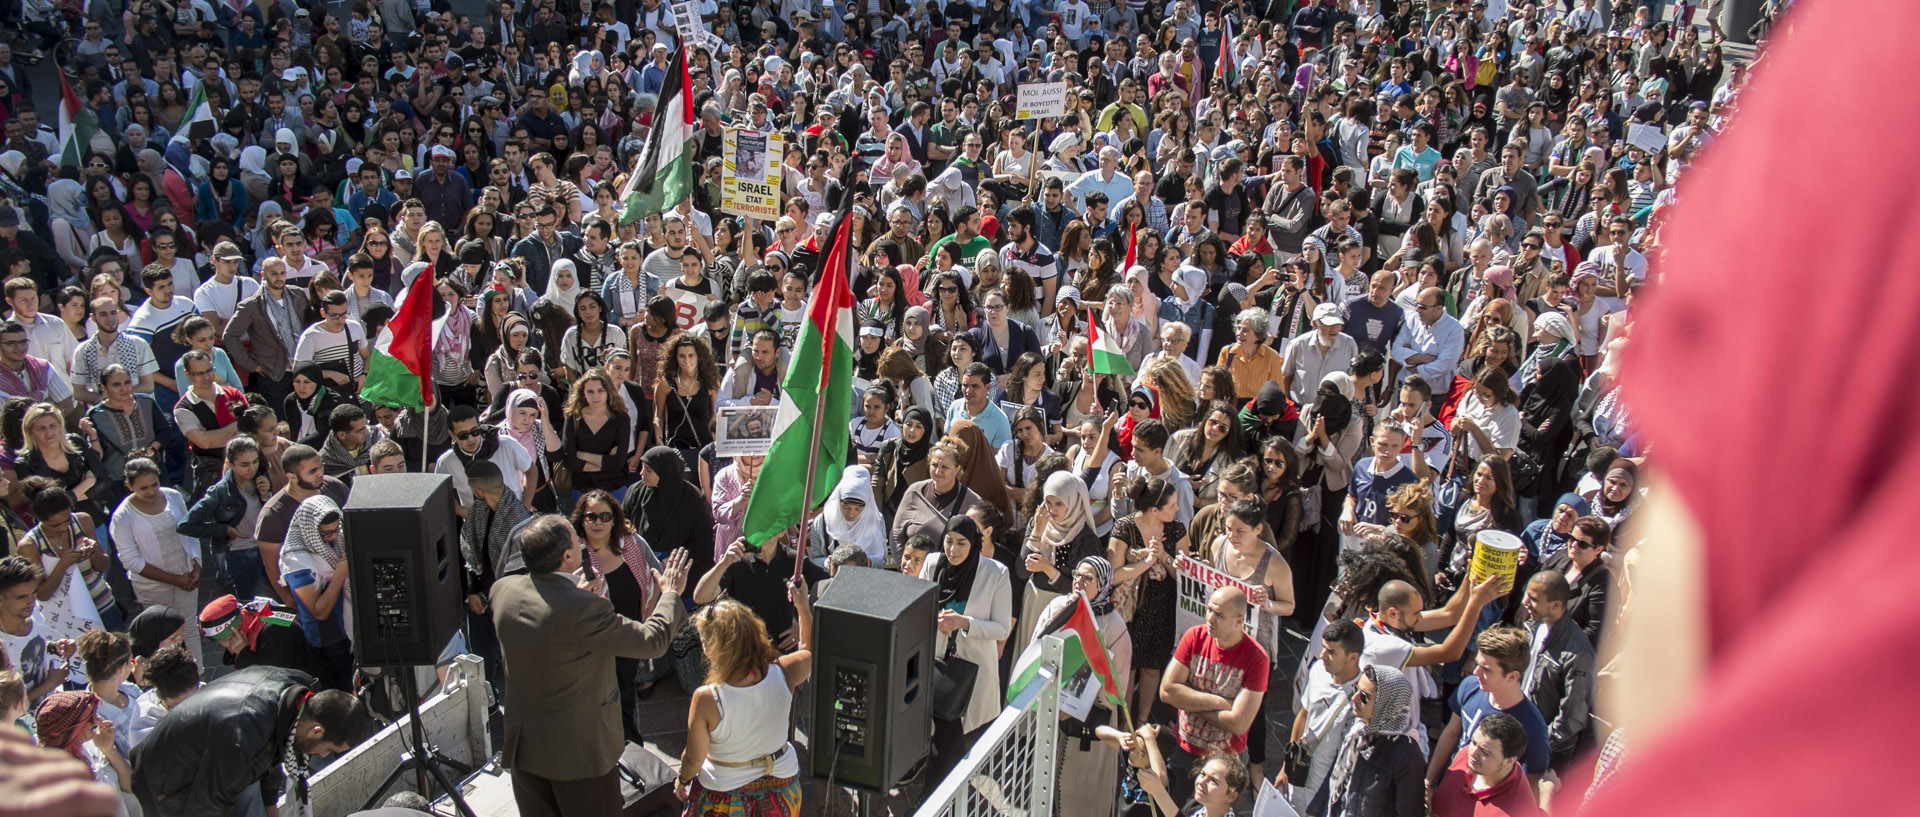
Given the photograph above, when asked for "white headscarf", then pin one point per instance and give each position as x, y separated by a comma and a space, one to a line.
262, 242
1341, 381
66, 200
1193, 280
869, 530
253, 159
1062, 530
563, 298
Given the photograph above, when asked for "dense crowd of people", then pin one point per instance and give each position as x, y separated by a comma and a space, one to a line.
1323, 296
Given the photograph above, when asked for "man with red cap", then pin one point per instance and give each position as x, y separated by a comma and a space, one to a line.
261, 632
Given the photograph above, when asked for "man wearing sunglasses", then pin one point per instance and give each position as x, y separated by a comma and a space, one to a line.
474, 443
1431, 343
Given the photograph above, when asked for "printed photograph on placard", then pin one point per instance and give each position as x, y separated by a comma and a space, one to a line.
744, 431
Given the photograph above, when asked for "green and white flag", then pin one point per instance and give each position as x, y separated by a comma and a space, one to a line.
1107, 357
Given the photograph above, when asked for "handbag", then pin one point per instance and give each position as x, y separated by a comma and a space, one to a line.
1524, 469
1298, 761
953, 680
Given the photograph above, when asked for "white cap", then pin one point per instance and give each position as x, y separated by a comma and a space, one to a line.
439, 151
1328, 315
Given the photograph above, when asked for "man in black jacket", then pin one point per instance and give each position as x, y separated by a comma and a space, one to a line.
1559, 681
228, 742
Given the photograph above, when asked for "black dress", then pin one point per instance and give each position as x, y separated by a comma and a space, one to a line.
1152, 622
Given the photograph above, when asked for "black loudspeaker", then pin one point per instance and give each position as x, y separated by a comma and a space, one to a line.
403, 551
873, 677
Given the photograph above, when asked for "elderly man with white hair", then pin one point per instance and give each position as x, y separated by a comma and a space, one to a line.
1107, 179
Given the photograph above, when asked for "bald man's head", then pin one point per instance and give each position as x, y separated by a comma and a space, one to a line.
1227, 615
1399, 595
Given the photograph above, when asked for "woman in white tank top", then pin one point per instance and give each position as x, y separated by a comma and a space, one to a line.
738, 760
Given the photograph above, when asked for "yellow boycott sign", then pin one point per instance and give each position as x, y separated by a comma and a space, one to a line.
750, 181
1496, 553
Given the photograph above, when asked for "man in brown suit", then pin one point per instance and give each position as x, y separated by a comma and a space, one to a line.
563, 737
264, 330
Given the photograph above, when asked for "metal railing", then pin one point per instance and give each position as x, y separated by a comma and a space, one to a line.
1011, 771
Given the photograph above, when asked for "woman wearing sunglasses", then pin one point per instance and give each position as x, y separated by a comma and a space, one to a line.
625, 567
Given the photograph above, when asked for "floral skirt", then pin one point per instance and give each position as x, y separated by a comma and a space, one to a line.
766, 797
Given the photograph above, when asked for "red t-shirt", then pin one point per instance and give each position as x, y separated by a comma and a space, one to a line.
1455, 795
1222, 672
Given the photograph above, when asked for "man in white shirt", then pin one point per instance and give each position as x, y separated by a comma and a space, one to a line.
1430, 345
473, 443
1620, 265
1326, 707
218, 297
154, 323
292, 246
47, 336
1313, 355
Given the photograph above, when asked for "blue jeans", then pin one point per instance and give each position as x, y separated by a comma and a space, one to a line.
245, 573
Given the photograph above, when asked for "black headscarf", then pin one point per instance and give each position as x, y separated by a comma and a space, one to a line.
1335, 408
910, 454
956, 580
1553, 393
154, 625
672, 514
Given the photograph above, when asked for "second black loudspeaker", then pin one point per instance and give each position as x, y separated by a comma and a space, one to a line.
873, 677
403, 552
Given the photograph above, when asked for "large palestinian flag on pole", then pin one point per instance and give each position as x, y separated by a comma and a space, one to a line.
811, 431
403, 354
664, 174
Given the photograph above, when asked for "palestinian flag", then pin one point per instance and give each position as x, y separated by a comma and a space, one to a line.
397, 373
664, 174
1225, 67
198, 124
77, 126
1107, 357
817, 398
1074, 625
1133, 244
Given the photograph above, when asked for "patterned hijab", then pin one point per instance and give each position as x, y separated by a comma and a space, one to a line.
63, 719
1102, 599
1392, 699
